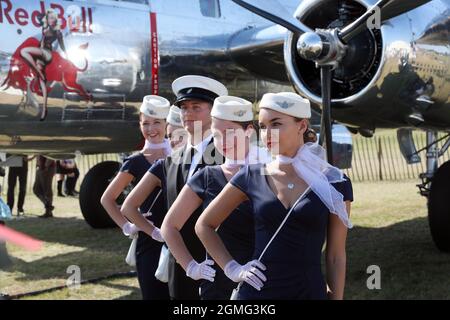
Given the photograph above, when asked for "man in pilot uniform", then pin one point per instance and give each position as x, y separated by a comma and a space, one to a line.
195, 97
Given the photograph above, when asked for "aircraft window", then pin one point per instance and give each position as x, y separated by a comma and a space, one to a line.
210, 8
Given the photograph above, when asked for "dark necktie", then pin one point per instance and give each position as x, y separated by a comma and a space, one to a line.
187, 161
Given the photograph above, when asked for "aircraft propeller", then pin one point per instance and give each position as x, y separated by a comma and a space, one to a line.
326, 47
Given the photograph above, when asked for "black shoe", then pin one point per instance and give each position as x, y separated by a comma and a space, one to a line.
47, 214
61, 195
20, 212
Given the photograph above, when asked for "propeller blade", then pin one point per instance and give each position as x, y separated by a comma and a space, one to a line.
354, 28
398, 7
325, 125
272, 10
388, 9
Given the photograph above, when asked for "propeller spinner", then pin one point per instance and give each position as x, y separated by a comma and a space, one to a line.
326, 47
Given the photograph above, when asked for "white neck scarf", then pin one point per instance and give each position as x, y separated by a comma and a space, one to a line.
310, 165
154, 146
254, 155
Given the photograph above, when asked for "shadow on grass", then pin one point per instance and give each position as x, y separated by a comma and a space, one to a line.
411, 266
97, 252
135, 293
68, 231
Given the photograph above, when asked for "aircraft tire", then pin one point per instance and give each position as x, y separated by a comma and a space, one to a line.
94, 184
439, 208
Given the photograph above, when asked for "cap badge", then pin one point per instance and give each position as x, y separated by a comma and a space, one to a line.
239, 113
189, 91
152, 112
285, 104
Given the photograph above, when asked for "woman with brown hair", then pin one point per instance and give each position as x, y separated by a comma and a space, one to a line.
299, 201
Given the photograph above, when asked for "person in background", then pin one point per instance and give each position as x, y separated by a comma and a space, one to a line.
71, 179
45, 171
62, 168
14, 174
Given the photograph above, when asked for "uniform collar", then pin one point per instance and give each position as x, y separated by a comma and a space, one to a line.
200, 147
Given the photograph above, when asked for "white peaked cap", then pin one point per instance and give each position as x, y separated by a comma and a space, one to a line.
197, 87
174, 117
155, 107
288, 103
232, 109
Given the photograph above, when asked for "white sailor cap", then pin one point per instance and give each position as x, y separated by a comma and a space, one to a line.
155, 107
197, 87
288, 103
174, 117
232, 109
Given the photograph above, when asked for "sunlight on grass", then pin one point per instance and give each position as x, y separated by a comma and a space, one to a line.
51, 249
390, 231
104, 290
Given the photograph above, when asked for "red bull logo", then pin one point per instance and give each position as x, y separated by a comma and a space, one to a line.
35, 65
82, 22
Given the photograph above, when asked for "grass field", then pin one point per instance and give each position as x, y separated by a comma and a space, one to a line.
391, 231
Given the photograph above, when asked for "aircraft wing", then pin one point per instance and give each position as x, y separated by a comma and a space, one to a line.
260, 51
397, 7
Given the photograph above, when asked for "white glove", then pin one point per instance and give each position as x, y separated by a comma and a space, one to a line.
129, 229
202, 270
248, 273
156, 234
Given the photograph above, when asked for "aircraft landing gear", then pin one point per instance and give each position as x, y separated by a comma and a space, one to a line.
436, 187
94, 184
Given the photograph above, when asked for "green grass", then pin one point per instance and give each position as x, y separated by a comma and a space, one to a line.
68, 241
391, 231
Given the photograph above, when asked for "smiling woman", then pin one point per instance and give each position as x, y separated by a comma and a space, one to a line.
154, 110
298, 185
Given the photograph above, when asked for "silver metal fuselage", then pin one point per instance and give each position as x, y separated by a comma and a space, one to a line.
127, 57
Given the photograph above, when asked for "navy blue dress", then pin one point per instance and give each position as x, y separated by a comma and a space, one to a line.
237, 231
293, 260
147, 249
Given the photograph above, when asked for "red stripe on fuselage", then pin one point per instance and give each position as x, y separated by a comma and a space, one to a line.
154, 53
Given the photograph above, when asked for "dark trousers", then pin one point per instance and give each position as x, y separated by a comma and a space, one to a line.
181, 287
72, 181
147, 258
43, 186
17, 173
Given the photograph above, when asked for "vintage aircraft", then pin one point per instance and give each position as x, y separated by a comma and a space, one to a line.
73, 76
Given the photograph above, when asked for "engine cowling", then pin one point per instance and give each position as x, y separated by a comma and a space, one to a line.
359, 68
362, 60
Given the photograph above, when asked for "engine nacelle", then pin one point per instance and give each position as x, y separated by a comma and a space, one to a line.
390, 77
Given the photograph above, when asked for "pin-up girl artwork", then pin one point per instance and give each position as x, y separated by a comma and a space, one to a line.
37, 64
39, 57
